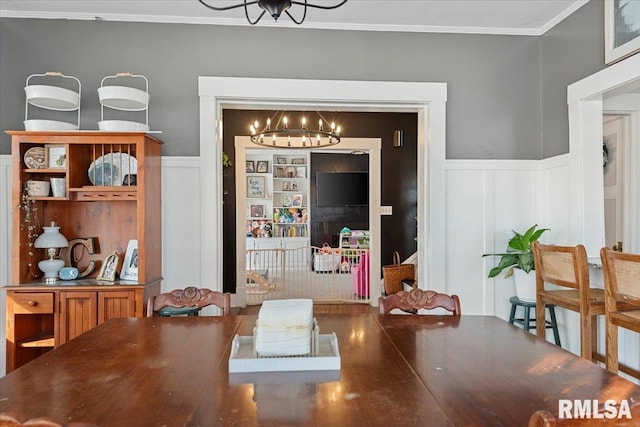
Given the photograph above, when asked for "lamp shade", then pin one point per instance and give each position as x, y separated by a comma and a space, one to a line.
51, 238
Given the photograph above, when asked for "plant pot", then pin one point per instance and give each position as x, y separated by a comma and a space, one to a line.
525, 285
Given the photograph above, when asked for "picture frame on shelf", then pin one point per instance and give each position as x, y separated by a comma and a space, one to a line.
109, 269
298, 161
249, 166
280, 172
301, 172
56, 156
294, 186
296, 200
262, 166
286, 185
255, 187
621, 30
130, 265
281, 160
257, 211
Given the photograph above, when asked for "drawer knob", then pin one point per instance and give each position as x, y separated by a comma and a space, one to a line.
32, 303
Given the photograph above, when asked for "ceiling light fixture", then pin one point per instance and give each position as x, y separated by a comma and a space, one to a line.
277, 133
274, 7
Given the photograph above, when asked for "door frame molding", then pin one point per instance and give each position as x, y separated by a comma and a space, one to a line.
585, 100
428, 100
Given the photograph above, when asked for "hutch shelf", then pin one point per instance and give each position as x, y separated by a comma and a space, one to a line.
112, 195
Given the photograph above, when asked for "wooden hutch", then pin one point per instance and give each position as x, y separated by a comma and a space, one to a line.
42, 316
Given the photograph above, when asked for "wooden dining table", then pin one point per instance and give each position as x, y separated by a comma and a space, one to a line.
426, 370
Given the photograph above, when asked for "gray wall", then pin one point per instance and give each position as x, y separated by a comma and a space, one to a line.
493, 80
570, 51
507, 94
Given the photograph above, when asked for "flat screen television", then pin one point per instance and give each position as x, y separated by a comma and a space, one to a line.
342, 188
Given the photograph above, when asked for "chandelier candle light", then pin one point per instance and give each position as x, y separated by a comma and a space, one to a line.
51, 240
280, 136
274, 7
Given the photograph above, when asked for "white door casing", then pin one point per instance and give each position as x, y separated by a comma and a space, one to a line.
585, 100
426, 99
613, 137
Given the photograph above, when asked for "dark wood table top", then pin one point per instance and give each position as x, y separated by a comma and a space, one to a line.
396, 370
486, 372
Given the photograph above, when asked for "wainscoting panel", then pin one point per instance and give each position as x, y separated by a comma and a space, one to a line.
485, 200
181, 223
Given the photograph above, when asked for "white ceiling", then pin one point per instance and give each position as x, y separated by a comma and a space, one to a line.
518, 17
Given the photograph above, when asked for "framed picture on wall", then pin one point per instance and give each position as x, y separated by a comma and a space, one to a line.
621, 29
249, 166
257, 211
255, 186
262, 166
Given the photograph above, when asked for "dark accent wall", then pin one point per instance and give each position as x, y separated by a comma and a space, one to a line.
327, 221
398, 176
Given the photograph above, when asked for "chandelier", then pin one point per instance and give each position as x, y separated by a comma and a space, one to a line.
274, 7
277, 133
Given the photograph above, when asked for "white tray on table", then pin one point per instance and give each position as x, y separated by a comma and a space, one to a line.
244, 359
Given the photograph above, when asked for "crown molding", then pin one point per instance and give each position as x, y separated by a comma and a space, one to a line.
559, 18
171, 19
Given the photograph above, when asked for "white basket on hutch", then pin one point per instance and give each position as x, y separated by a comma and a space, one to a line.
51, 97
124, 98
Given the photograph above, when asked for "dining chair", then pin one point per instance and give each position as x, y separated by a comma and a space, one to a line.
547, 419
188, 301
567, 268
417, 298
9, 420
621, 273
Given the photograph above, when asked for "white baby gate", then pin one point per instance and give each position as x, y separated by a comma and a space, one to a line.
321, 274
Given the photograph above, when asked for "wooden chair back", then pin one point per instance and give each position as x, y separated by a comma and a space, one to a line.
190, 297
417, 298
622, 302
547, 419
568, 267
565, 266
621, 272
9, 420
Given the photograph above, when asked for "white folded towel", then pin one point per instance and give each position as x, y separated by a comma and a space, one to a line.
284, 327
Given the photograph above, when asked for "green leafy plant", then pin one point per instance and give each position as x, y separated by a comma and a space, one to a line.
226, 160
519, 253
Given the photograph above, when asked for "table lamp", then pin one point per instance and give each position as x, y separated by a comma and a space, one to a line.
51, 240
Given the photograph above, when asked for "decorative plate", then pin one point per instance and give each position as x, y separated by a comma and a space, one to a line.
111, 169
286, 201
34, 158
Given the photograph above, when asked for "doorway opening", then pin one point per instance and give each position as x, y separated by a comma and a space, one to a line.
280, 250
428, 100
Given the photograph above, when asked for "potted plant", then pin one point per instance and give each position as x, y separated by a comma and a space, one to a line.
519, 261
